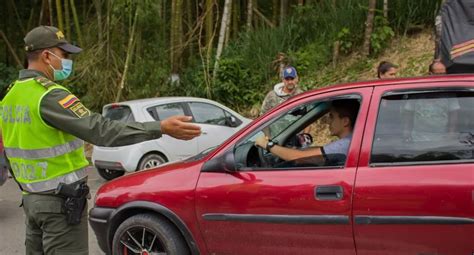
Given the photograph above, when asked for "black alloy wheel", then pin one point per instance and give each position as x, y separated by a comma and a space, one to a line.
148, 234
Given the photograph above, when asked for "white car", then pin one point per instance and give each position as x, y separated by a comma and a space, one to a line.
217, 123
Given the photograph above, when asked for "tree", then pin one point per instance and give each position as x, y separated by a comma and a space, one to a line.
275, 11
131, 42
176, 35
249, 14
76, 23
222, 33
369, 26
59, 13
209, 23
283, 10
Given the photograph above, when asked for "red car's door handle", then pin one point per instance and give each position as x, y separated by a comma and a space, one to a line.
330, 192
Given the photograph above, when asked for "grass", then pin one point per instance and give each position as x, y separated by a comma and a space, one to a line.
411, 53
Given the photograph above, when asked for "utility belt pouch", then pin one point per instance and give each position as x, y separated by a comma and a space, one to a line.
75, 195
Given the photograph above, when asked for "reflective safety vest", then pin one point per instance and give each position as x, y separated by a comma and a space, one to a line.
40, 155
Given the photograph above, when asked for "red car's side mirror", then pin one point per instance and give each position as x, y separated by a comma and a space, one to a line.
222, 163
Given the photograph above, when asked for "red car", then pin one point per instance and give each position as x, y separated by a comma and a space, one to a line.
403, 184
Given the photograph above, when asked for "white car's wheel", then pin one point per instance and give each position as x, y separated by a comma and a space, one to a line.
151, 161
109, 174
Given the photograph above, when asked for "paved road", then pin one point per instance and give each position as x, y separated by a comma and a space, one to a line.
12, 226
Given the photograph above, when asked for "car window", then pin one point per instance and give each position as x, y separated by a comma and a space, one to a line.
166, 110
208, 114
290, 130
424, 127
119, 112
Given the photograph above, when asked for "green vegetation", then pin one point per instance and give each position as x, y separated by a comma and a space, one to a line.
251, 58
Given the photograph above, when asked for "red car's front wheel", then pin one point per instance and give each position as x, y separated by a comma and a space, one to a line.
148, 234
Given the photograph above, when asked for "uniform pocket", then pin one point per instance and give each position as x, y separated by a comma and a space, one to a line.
48, 206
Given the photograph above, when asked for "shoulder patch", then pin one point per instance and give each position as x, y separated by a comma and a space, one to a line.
68, 101
44, 81
80, 110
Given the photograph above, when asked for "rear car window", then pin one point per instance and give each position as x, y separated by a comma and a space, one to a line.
166, 110
424, 127
119, 112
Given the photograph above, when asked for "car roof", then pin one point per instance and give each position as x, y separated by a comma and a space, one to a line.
161, 100
141, 103
396, 81
380, 82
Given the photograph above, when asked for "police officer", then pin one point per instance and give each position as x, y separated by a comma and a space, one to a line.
44, 127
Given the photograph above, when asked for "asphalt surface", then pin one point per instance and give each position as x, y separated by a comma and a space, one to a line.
12, 219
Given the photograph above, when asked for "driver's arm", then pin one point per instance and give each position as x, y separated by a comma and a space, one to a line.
287, 153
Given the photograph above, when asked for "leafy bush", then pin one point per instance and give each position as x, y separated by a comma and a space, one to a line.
311, 56
346, 41
404, 14
381, 35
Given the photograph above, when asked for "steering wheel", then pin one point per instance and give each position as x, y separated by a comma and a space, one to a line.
261, 156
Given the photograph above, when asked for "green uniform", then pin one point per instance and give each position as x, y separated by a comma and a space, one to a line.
44, 143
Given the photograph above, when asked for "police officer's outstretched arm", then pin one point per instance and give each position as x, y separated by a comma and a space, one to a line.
178, 127
64, 111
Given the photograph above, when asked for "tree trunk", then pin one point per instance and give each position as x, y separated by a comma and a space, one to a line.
283, 11
300, 2
189, 12
76, 23
128, 57
263, 18
67, 20
209, 21
59, 15
108, 28
50, 9
29, 25
335, 53
275, 11
249, 14
12, 50
369, 25
223, 29
176, 35
236, 19
98, 11
385, 9
19, 20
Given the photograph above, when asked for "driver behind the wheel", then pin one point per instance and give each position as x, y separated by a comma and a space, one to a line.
342, 115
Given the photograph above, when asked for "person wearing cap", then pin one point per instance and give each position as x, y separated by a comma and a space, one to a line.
43, 129
287, 88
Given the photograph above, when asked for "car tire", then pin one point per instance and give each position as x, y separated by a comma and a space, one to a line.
109, 174
148, 234
151, 161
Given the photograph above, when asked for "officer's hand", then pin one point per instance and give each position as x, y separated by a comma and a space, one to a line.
177, 127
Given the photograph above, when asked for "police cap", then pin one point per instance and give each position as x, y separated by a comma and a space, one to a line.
43, 37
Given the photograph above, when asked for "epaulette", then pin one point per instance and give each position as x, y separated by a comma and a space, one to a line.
44, 81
